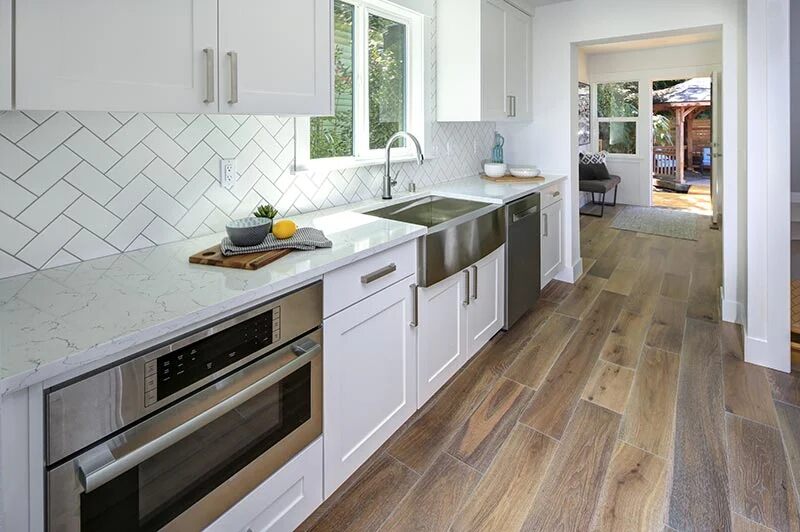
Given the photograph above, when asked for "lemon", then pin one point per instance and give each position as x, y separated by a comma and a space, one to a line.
284, 229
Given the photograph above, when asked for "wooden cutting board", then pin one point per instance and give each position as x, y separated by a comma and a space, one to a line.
508, 178
252, 261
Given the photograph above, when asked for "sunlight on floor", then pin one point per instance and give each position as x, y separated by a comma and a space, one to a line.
698, 200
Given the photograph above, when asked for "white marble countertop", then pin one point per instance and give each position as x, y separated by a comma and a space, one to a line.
75, 318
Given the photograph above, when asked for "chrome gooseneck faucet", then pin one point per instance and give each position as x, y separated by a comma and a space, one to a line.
388, 181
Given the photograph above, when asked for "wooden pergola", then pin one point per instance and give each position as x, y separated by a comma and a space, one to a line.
686, 100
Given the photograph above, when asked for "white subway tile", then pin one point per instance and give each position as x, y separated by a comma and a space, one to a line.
170, 123
49, 206
195, 188
14, 125
92, 216
164, 147
194, 133
195, 217
15, 235
92, 183
13, 198
62, 258
49, 135
48, 242
87, 246
195, 160
131, 165
164, 176
130, 227
131, 134
160, 232
93, 150
130, 196
9, 266
13, 161
164, 206
101, 124
49, 170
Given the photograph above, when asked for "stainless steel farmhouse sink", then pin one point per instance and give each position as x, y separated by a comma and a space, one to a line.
460, 232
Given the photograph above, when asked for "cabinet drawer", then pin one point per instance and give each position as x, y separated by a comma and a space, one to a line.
551, 195
283, 501
354, 282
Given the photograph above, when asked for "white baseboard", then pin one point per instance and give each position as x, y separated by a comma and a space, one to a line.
571, 275
758, 351
732, 311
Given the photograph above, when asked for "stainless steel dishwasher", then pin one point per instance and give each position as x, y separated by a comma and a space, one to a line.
523, 257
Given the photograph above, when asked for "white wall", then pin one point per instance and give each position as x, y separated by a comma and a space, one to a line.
646, 66
559, 30
767, 335
795, 53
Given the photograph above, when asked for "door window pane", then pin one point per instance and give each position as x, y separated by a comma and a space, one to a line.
618, 100
387, 80
618, 137
332, 136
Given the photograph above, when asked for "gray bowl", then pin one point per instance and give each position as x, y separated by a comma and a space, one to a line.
248, 231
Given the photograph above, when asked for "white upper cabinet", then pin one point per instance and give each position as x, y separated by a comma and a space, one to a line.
5, 54
275, 55
484, 51
519, 65
110, 55
152, 55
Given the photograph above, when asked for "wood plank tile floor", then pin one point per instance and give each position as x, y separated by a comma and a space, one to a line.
619, 403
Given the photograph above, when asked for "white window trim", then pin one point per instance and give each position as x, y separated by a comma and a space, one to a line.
598, 120
416, 119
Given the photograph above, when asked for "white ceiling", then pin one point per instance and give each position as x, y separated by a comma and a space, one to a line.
656, 42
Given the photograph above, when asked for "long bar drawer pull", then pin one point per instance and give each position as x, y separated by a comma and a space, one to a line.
524, 214
210, 89
415, 308
466, 288
234, 60
474, 282
377, 274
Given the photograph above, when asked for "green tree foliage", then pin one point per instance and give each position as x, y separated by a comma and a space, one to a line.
663, 127
387, 80
617, 100
332, 136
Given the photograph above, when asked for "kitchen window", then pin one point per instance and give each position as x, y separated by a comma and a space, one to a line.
378, 87
617, 116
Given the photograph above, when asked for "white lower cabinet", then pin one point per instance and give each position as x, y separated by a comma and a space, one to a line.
442, 334
552, 252
370, 377
283, 501
486, 311
457, 317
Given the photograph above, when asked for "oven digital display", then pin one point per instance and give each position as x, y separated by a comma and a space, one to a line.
183, 367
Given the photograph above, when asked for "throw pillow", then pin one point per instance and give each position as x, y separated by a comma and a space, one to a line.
593, 172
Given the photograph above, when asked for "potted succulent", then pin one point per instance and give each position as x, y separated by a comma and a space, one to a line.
252, 231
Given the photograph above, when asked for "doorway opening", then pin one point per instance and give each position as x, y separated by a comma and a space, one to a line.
682, 145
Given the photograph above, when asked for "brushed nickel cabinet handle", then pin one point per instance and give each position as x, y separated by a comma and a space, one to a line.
514, 101
377, 274
474, 282
466, 288
510, 106
209, 75
415, 307
556, 194
546, 225
233, 57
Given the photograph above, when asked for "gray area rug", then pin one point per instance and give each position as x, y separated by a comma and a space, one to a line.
657, 221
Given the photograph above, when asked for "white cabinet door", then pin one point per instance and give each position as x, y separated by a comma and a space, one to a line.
115, 55
494, 92
284, 56
369, 382
283, 501
486, 311
442, 337
5, 54
518, 63
551, 241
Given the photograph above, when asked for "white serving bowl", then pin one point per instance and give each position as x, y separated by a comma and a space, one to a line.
495, 169
525, 171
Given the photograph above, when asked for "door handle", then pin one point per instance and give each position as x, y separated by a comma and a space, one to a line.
209, 75
377, 274
466, 287
96, 473
524, 214
233, 57
474, 282
415, 307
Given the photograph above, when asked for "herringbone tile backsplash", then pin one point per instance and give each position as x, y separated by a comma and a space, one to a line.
77, 186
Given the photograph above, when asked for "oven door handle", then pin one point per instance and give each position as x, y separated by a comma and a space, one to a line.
94, 477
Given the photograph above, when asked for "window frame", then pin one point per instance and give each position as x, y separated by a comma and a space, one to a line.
415, 91
617, 119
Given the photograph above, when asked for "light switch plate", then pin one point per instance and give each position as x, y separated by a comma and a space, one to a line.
227, 173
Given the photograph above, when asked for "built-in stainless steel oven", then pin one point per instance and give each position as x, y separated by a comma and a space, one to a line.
173, 438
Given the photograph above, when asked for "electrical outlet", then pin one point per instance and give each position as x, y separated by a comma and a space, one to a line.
227, 173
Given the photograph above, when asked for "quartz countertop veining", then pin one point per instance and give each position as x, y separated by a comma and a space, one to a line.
55, 322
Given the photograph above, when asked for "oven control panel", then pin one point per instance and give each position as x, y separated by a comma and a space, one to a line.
182, 367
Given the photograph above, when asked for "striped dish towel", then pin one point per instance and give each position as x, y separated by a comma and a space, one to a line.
305, 239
